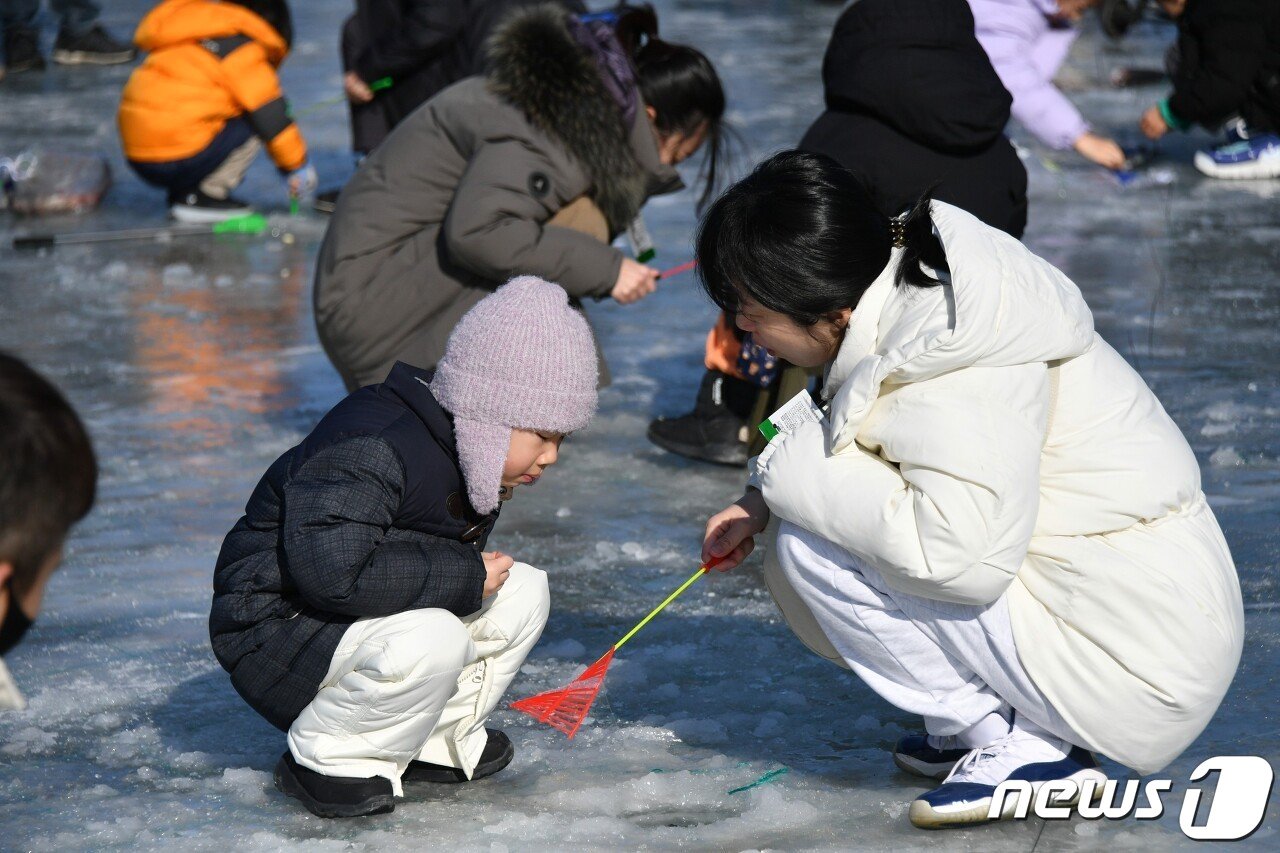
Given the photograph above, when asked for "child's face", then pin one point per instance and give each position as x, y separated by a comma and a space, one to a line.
804, 346
529, 455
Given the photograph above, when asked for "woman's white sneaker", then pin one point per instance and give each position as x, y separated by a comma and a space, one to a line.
965, 796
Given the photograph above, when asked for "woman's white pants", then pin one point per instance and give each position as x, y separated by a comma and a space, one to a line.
953, 664
420, 685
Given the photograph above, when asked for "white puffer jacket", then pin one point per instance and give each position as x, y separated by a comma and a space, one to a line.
945, 466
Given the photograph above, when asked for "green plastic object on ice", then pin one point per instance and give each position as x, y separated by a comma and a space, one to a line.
763, 780
250, 223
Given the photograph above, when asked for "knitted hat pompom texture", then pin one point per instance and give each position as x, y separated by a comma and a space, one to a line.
522, 358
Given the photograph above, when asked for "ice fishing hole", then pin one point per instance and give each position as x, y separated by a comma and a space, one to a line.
675, 817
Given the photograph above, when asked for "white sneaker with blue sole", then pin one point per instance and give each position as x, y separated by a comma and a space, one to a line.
965, 796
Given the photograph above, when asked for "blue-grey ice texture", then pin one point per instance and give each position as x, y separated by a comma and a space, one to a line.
195, 363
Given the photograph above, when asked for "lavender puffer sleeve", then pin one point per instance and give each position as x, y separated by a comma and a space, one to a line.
1026, 53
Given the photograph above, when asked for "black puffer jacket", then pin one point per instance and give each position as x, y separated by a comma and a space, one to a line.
913, 103
368, 516
423, 46
1228, 63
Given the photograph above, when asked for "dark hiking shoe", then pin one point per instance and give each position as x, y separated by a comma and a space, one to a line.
327, 201
22, 51
96, 47
197, 208
333, 796
716, 430
497, 754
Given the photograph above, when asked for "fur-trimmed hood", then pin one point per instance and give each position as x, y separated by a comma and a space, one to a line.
536, 65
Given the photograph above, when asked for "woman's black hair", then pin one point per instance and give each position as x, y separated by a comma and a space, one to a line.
801, 236
681, 85
274, 12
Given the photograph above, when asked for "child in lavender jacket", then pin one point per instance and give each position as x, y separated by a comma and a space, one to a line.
1027, 41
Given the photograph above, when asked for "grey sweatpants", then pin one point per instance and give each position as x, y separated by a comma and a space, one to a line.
953, 664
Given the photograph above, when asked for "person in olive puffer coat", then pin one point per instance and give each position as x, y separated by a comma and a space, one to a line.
532, 169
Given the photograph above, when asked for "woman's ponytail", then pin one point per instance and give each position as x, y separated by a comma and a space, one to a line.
919, 245
635, 27
682, 87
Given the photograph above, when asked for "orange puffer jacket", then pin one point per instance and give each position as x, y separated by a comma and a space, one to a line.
209, 62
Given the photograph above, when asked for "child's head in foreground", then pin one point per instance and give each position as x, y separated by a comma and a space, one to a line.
48, 477
519, 374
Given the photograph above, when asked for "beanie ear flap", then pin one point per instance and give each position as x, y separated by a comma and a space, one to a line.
482, 452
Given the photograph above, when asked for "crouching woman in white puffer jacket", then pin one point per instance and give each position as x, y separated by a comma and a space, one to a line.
997, 526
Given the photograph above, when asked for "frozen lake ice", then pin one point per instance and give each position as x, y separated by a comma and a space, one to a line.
195, 363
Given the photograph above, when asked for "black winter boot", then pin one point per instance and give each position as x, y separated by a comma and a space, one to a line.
333, 796
717, 429
96, 47
497, 754
22, 51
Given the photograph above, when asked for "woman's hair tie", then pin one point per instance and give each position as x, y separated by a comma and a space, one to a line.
898, 231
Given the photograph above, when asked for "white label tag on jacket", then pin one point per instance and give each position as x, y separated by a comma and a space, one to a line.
798, 411
642, 248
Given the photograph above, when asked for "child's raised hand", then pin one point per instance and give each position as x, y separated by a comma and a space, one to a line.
497, 568
731, 532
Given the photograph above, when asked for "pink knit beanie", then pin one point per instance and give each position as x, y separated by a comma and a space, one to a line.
522, 358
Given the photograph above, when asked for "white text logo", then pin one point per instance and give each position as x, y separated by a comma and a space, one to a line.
1239, 800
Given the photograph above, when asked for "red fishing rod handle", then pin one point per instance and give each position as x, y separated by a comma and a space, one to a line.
714, 561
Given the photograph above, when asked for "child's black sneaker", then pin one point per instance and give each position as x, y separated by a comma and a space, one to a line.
22, 50
333, 796
96, 47
497, 754
928, 755
197, 208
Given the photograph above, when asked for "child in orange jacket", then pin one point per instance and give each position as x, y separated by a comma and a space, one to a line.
196, 112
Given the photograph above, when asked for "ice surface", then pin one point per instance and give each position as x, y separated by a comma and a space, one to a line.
195, 363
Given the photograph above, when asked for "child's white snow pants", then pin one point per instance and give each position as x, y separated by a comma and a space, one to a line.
953, 664
420, 685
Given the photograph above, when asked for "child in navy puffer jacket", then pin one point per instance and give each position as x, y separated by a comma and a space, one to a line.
353, 604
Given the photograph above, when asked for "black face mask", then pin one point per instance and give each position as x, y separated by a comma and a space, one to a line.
16, 623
